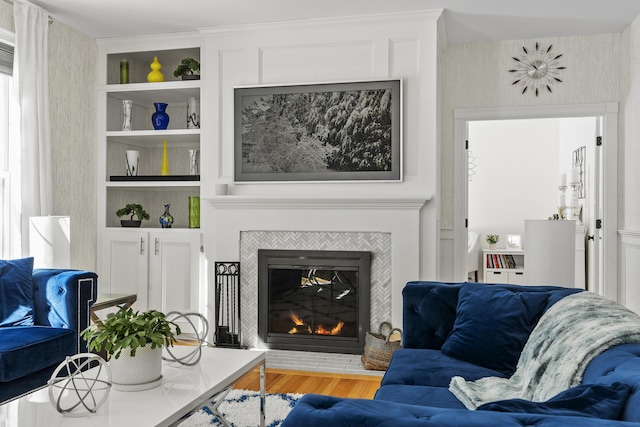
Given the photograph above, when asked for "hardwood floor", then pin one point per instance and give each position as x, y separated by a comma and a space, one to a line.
285, 381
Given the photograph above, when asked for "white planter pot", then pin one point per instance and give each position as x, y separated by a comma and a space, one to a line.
141, 372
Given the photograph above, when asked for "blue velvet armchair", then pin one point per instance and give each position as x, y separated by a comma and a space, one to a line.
30, 351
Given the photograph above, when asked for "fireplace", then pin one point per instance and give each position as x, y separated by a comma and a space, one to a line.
314, 300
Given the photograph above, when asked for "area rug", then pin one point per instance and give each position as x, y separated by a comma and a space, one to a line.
242, 407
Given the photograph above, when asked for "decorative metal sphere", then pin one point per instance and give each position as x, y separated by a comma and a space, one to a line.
189, 343
80, 385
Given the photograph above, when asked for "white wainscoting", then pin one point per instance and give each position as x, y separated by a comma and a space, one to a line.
629, 265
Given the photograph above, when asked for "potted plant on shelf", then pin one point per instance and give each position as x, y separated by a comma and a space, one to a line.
492, 239
132, 209
189, 69
128, 334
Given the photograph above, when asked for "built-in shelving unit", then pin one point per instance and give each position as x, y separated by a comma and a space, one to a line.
161, 266
149, 187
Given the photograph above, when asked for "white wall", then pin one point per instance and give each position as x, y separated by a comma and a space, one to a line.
516, 174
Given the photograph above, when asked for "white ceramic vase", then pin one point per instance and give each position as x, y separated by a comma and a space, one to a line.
127, 106
133, 159
194, 162
141, 372
193, 114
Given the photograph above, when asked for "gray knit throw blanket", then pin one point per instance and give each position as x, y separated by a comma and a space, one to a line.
566, 339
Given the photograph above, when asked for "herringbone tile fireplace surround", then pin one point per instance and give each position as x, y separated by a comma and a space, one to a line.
378, 243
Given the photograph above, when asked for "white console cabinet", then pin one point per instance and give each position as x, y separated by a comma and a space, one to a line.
555, 253
161, 267
503, 266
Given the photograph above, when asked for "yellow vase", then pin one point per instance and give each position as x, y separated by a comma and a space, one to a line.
165, 160
155, 75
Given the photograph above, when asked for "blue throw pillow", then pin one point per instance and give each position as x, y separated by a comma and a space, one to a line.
493, 324
591, 400
16, 292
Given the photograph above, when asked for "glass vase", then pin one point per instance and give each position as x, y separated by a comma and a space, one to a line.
194, 212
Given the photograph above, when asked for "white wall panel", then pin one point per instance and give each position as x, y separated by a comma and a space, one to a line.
630, 269
310, 63
232, 72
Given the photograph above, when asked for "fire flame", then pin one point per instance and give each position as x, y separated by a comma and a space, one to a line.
296, 319
320, 330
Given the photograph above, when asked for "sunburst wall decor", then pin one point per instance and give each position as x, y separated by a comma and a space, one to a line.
537, 70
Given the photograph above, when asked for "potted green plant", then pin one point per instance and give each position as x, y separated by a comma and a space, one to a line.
492, 239
132, 209
127, 334
189, 69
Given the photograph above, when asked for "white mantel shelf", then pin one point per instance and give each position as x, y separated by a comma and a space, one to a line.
320, 202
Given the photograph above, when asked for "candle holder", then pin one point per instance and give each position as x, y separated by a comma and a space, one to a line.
562, 202
574, 208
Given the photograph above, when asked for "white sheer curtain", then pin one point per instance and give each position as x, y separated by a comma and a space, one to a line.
31, 50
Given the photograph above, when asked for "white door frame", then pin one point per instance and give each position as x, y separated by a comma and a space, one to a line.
608, 112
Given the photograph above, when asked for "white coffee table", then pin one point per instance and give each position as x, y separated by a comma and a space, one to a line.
183, 390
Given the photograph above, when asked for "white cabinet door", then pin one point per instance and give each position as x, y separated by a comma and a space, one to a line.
174, 261
124, 265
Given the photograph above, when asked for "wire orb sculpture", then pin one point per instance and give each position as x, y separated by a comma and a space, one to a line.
83, 387
189, 343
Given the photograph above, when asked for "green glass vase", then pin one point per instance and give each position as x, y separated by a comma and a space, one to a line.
194, 212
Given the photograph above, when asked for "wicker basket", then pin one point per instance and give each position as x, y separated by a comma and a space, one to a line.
378, 349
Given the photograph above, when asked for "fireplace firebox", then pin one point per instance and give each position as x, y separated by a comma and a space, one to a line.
314, 300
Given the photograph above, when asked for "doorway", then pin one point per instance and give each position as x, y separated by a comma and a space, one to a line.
515, 171
606, 115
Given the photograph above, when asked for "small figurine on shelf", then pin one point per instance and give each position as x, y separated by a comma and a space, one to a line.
166, 219
155, 75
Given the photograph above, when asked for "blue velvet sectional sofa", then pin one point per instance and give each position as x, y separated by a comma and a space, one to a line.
42, 312
476, 331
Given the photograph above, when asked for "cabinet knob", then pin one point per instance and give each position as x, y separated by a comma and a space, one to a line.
142, 246
157, 246
592, 237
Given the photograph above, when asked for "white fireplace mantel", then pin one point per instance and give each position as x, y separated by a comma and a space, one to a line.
229, 216
320, 202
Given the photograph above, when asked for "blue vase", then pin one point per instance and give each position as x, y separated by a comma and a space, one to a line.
166, 219
160, 119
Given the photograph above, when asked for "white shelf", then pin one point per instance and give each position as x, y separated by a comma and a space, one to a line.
171, 92
154, 185
155, 138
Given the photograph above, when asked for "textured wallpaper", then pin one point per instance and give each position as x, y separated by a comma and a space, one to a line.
476, 76
6, 16
72, 102
630, 172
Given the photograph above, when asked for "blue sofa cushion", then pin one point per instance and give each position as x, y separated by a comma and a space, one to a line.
436, 397
16, 292
493, 324
313, 410
619, 364
411, 366
590, 400
24, 350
